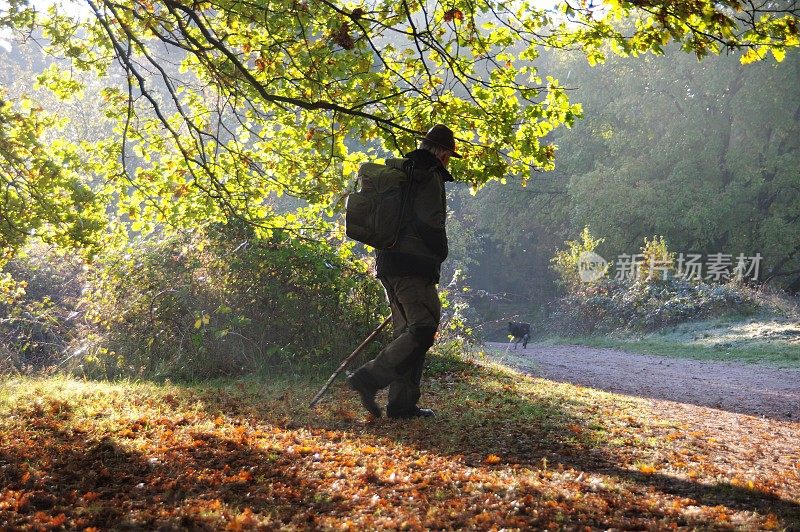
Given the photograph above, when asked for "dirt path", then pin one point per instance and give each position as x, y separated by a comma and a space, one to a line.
733, 387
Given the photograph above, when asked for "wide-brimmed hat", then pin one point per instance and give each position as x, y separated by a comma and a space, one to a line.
441, 135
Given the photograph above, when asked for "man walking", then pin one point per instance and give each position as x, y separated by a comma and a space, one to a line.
409, 272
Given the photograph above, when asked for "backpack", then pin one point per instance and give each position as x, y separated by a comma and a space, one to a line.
375, 214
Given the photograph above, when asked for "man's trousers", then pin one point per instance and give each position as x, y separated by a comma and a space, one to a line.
416, 312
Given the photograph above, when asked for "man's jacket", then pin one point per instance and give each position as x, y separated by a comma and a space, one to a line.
422, 244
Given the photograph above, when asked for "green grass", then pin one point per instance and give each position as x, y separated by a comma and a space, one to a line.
755, 340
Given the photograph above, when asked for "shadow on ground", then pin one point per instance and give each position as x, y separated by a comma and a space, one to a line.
54, 466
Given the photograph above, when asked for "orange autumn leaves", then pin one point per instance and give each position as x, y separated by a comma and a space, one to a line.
493, 459
245, 456
453, 14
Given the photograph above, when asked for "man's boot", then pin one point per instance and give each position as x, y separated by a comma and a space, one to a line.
408, 414
362, 382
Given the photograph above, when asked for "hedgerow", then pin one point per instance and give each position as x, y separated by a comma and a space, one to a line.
640, 305
220, 301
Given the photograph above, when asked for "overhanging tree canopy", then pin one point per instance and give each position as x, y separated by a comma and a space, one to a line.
224, 104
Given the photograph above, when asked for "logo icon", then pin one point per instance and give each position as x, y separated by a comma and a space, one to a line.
591, 266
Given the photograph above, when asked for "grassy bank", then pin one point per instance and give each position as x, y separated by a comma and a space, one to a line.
506, 450
757, 340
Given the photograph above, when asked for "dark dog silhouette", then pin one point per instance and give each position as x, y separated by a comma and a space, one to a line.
520, 332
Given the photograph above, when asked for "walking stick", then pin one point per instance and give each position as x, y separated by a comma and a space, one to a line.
346, 361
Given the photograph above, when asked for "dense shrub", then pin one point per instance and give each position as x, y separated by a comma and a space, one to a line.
566, 261
641, 305
221, 302
214, 302
653, 298
38, 311
459, 325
